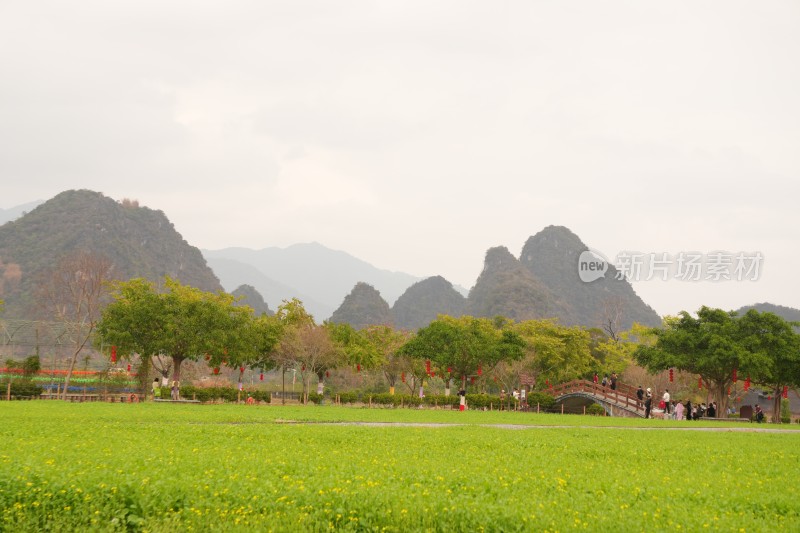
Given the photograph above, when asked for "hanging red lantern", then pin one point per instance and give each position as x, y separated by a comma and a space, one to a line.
358, 367
699, 383
241, 370
729, 391
547, 382
327, 374
785, 391
433, 374
403, 377
769, 397
216, 370
472, 379
734, 374
113, 354
303, 368
671, 375
129, 368
449, 370
428, 366
479, 370
261, 377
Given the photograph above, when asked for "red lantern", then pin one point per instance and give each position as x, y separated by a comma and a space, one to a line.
261, 377
241, 370
449, 370
303, 368
699, 383
734, 374
747, 384
769, 397
129, 368
216, 370
785, 391
358, 367
403, 377
472, 379
113, 354
671, 375
327, 374
547, 382
729, 391
479, 370
428, 366
433, 374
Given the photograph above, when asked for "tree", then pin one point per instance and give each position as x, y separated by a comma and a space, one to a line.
73, 292
464, 346
386, 342
552, 351
773, 340
181, 322
708, 345
305, 345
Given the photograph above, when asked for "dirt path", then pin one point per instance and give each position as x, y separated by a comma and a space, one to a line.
524, 426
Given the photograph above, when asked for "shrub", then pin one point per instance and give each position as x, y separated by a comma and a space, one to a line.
22, 388
786, 412
595, 410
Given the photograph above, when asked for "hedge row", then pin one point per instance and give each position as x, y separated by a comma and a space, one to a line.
474, 401
21, 388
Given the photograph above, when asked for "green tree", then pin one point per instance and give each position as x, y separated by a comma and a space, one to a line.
181, 322
553, 352
466, 346
708, 345
386, 342
774, 342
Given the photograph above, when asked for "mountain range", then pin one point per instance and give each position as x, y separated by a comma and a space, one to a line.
542, 282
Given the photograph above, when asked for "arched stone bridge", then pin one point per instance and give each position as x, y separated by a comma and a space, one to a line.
577, 394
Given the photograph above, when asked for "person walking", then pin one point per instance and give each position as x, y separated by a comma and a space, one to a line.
462, 400
665, 398
613, 381
648, 403
156, 390
688, 409
595, 379
678, 411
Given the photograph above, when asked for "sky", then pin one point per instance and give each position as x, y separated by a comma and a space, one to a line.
417, 134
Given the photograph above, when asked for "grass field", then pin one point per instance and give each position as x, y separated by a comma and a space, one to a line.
156, 467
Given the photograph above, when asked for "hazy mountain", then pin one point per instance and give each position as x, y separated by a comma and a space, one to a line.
252, 298
234, 273
13, 213
139, 241
363, 307
787, 313
505, 287
552, 256
424, 300
321, 273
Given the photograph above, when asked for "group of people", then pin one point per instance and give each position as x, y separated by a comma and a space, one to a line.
673, 409
175, 389
607, 382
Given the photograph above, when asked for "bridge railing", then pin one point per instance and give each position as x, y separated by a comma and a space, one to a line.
623, 396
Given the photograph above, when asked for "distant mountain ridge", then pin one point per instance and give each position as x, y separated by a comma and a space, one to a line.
13, 213
141, 242
787, 313
319, 276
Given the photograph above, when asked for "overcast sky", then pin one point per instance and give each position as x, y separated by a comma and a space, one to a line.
415, 135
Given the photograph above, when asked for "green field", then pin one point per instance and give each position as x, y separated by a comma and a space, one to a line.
157, 467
